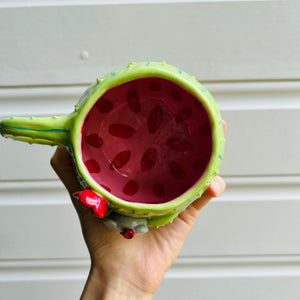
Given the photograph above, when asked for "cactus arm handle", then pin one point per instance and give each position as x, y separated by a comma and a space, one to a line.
49, 130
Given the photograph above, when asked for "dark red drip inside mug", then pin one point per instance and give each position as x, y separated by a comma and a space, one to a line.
147, 141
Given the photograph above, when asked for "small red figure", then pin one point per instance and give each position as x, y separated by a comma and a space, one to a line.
92, 200
128, 234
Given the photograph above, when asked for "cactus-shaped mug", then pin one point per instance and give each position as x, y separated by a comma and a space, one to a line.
146, 141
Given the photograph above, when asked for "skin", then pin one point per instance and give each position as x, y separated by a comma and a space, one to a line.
128, 269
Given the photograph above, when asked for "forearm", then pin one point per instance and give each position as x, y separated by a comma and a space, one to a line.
114, 288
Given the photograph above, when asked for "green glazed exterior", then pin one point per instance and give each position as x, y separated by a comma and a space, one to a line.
66, 130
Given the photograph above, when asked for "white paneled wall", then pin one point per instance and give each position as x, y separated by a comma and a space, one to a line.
246, 244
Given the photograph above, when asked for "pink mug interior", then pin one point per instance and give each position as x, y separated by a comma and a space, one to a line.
147, 141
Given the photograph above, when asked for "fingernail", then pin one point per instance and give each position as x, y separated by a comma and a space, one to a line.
216, 188
224, 126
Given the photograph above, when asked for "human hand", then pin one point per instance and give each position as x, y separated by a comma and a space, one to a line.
128, 269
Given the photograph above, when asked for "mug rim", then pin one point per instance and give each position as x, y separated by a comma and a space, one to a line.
143, 70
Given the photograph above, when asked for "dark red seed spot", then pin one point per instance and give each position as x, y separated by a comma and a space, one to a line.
131, 188
133, 100
199, 164
205, 129
104, 105
120, 160
148, 159
176, 171
92, 166
176, 94
94, 140
155, 86
121, 130
178, 144
106, 187
184, 114
155, 119
159, 190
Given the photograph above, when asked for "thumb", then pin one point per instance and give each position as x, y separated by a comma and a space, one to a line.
216, 189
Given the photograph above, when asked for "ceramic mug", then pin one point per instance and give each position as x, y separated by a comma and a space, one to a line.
146, 141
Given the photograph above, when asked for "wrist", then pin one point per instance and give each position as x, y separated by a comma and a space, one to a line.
119, 288
112, 287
